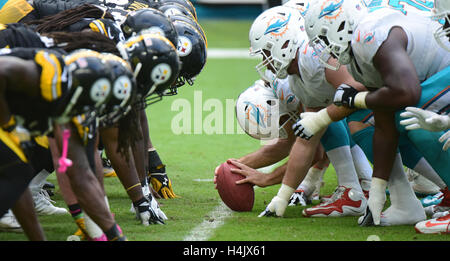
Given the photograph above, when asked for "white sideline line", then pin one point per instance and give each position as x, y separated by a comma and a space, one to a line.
205, 230
222, 53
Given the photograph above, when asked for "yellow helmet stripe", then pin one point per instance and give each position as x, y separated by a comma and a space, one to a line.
99, 26
50, 75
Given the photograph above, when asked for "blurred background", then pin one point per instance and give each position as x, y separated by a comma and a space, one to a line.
232, 9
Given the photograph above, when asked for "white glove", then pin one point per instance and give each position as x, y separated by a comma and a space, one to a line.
377, 198
311, 123
279, 203
418, 118
155, 206
446, 139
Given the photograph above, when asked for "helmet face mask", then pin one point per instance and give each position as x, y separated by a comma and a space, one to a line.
330, 25
441, 12
123, 90
276, 34
90, 84
191, 49
155, 62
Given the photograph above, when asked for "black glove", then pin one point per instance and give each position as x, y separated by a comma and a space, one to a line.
345, 96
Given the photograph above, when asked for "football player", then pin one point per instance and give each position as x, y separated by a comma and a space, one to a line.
278, 35
50, 99
381, 56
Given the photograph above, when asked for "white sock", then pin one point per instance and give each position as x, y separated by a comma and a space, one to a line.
424, 168
342, 161
92, 228
405, 207
363, 168
308, 184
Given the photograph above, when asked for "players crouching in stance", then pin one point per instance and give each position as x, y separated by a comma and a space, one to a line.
40, 92
397, 75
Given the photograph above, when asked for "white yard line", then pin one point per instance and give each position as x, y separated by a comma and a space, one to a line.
222, 53
205, 230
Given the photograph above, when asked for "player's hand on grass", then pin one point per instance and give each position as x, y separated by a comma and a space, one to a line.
417, 118
162, 184
377, 199
279, 203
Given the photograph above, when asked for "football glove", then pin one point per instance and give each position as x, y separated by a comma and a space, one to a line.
298, 198
162, 185
422, 119
311, 123
377, 198
146, 214
279, 203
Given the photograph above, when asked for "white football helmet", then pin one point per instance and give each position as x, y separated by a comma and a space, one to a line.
301, 5
440, 11
277, 31
258, 111
330, 25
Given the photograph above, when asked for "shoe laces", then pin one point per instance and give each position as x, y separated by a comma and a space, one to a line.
46, 196
336, 195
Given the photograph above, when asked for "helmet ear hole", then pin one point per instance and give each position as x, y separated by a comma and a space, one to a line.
341, 26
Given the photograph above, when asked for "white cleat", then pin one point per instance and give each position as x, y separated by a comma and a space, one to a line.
44, 205
344, 202
8, 223
434, 226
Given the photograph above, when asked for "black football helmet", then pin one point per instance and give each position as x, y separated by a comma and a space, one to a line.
172, 8
149, 20
123, 89
90, 86
155, 62
178, 17
192, 51
185, 3
105, 26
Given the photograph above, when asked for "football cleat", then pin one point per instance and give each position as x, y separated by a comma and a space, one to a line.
434, 226
299, 198
443, 206
8, 223
432, 199
44, 205
344, 202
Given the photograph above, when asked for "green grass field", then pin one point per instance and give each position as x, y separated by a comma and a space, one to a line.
192, 158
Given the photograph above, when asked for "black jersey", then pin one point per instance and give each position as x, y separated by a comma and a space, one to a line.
20, 35
118, 8
35, 112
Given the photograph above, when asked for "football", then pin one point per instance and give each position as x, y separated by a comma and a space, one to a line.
237, 197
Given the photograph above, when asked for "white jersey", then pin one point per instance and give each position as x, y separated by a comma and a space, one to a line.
311, 86
422, 7
425, 53
288, 101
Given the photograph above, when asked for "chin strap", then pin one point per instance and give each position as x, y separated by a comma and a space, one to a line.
63, 161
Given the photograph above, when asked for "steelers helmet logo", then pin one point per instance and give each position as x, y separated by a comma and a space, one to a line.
122, 87
161, 73
184, 47
153, 30
100, 90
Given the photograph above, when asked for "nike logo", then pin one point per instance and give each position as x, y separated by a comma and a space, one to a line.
432, 224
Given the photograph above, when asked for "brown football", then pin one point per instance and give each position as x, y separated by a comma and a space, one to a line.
237, 197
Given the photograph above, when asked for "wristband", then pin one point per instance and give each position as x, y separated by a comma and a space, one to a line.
360, 100
285, 192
